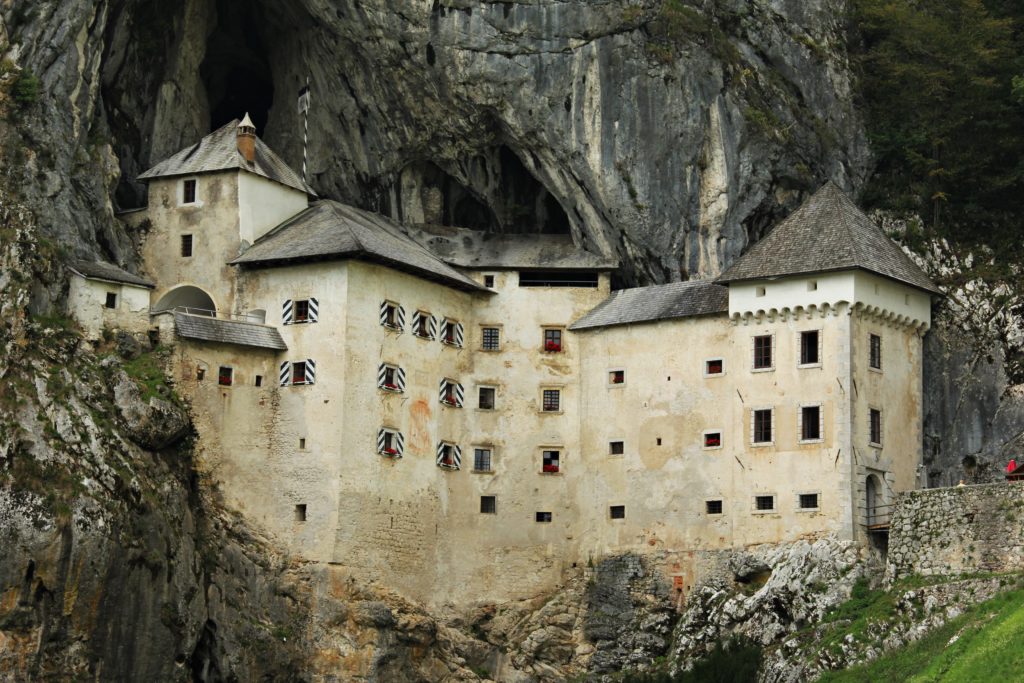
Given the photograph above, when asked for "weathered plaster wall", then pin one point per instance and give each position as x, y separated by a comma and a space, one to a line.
263, 204
87, 304
957, 530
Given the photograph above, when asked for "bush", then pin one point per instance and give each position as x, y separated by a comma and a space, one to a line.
734, 661
26, 89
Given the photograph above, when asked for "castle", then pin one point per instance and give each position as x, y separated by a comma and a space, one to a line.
466, 415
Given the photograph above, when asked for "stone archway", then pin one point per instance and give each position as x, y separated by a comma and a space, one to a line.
187, 297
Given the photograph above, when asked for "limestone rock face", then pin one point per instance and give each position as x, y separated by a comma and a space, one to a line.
153, 423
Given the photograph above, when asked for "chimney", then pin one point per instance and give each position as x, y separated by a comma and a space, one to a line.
247, 139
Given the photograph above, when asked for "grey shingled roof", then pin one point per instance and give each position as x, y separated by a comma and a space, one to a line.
475, 249
657, 302
102, 270
223, 331
329, 229
218, 151
828, 233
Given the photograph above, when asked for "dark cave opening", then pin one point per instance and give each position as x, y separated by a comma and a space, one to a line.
236, 70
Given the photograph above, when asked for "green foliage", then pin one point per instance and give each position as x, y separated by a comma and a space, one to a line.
937, 78
676, 24
983, 649
148, 372
25, 90
734, 661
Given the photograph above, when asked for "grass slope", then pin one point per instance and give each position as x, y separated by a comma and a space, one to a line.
985, 649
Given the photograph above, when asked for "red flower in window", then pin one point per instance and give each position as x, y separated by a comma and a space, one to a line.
552, 346
550, 468
712, 441
391, 385
390, 451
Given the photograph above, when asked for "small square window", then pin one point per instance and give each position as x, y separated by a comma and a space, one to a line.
617, 377
259, 380
553, 340
448, 328
491, 339
482, 460
451, 393
712, 439
808, 501
488, 505
763, 352
810, 423
875, 353
299, 372
224, 376
300, 313
543, 516
616, 447
812, 285
186, 245
300, 513
550, 461
489, 281
714, 507
111, 301
200, 374
764, 503
188, 191
763, 426
713, 366
302, 444
809, 348
658, 441
388, 379
390, 316
446, 456
486, 398
422, 324
617, 511
552, 400
759, 291
875, 423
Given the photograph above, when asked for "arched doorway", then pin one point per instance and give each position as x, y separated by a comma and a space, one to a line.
187, 297
872, 492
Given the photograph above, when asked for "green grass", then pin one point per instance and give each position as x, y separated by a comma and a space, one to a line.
984, 651
147, 371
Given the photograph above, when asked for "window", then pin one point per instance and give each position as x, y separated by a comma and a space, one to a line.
810, 348
299, 311
259, 380
543, 516
810, 423
617, 511
482, 460
492, 339
759, 291
553, 340
302, 444
808, 501
762, 428
298, 372
451, 393
390, 377
392, 315
489, 281
390, 443
224, 376
713, 507
188, 191
488, 505
200, 374
763, 352
111, 301
616, 447
302, 311
764, 503
551, 400
423, 325
550, 461
186, 245
713, 366
300, 511
616, 377
875, 353
451, 333
875, 420
485, 400
812, 285
712, 439
449, 456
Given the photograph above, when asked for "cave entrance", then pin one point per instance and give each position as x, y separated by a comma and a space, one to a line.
236, 71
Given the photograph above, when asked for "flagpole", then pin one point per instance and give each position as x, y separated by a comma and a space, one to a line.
304, 98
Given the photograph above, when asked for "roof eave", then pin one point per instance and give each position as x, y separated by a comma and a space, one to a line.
725, 280
646, 320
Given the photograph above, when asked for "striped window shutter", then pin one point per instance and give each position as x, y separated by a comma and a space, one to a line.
460, 395
457, 456
440, 453
286, 312
399, 442
286, 373
400, 317
310, 371
384, 313
381, 373
432, 323
416, 315
460, 334
440, 390
381, 434
400, 379
314, 310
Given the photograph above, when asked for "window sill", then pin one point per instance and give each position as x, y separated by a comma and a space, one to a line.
771, 369
711, 448
389, 455
448, 467
389, 390
451, 344
764, 512
713, 375
392, 328
484, 410
551, 412
762, 444
482, 471
799, 510
423, 337
714, 514
805, 442
618, 385
805, 366
450, 405
489, 350
874, 369
551, 474
874, 444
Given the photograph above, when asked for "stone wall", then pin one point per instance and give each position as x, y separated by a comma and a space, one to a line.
957, 530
